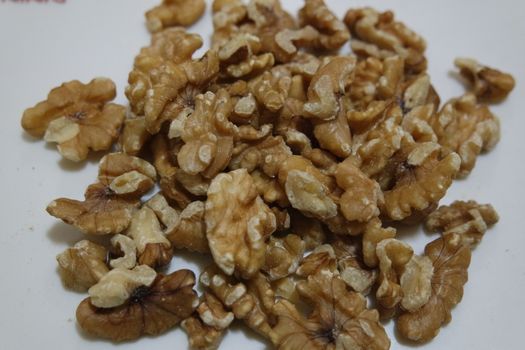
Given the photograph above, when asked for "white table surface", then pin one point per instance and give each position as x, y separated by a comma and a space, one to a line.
45, 44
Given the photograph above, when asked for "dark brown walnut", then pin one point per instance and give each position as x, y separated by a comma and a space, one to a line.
378, 35
468, 219
109, 204
416, 178
339, 320
332, 33
78, 117
488, 84
172, 13
149, 311
468, 128
451, 259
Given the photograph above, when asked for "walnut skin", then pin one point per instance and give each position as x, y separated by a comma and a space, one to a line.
78, 117
83, 265
488, 84
238, 223
339, 320
109, 203
149, 311
451, 259
174, 13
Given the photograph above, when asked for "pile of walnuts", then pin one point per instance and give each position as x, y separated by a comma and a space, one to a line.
286, 162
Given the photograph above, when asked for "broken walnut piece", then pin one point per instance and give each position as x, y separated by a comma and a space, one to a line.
310, 230
468, 219
339, 319
322, 258
332, 33
109, 203
190, 231
172, 13
379, 35
361, 196
238, 223
283, 256
468, 128
212, 312
83, 265
200, 335
78, 117
416, 283
418, 177
128, 248
153, 248
148, 311
234, 295
134, 135
488, 84
269, 189
373, 234
450, 258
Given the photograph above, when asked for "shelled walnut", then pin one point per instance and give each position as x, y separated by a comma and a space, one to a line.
174, 13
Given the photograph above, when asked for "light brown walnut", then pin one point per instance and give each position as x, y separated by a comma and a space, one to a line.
468, 128
83, 265
127, 248
269, 189
332, 32
322, 258
283, 256
200, 335
227, 12
416, 283
172, 13
310, 230
271, 88
339, 319
149, 310
190, 231
379, 35
451, 259
238, 223
78, 117
109, 204
488, 84
373, 234
134, 135
468, 219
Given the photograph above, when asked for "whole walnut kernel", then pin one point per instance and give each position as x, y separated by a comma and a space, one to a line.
379, 35
468, 219
174, 13
420, 178
238, 223
362, 194
109, 204
488, 84
149, 310
451, 259
332, 32
78, 117
283, 256
467, 128
340, 319
83, 265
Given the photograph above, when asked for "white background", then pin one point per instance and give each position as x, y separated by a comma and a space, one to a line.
43, 45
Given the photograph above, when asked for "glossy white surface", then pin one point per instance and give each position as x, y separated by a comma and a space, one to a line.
42, 45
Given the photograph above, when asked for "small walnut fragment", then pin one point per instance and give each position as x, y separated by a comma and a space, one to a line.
83, 265
468, 219
451, 259
378, 35
200, 335
320, 259
360, 200
190, 231
416, 283
340, 319
488, 84
467, 128
148, 311
283, 256
153, 248
238, 223
109, 204
373, 234
310, 230
128, 248
134, 135
174, 13
78, 117
417, 178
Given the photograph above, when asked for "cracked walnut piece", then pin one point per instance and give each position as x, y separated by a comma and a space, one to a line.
190, 231
468, 219
238, 223
148, 311
78, 117
83, 265
451, 259
488, 84
109, 204
200, 335
283, 256
339, 320
174, 13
